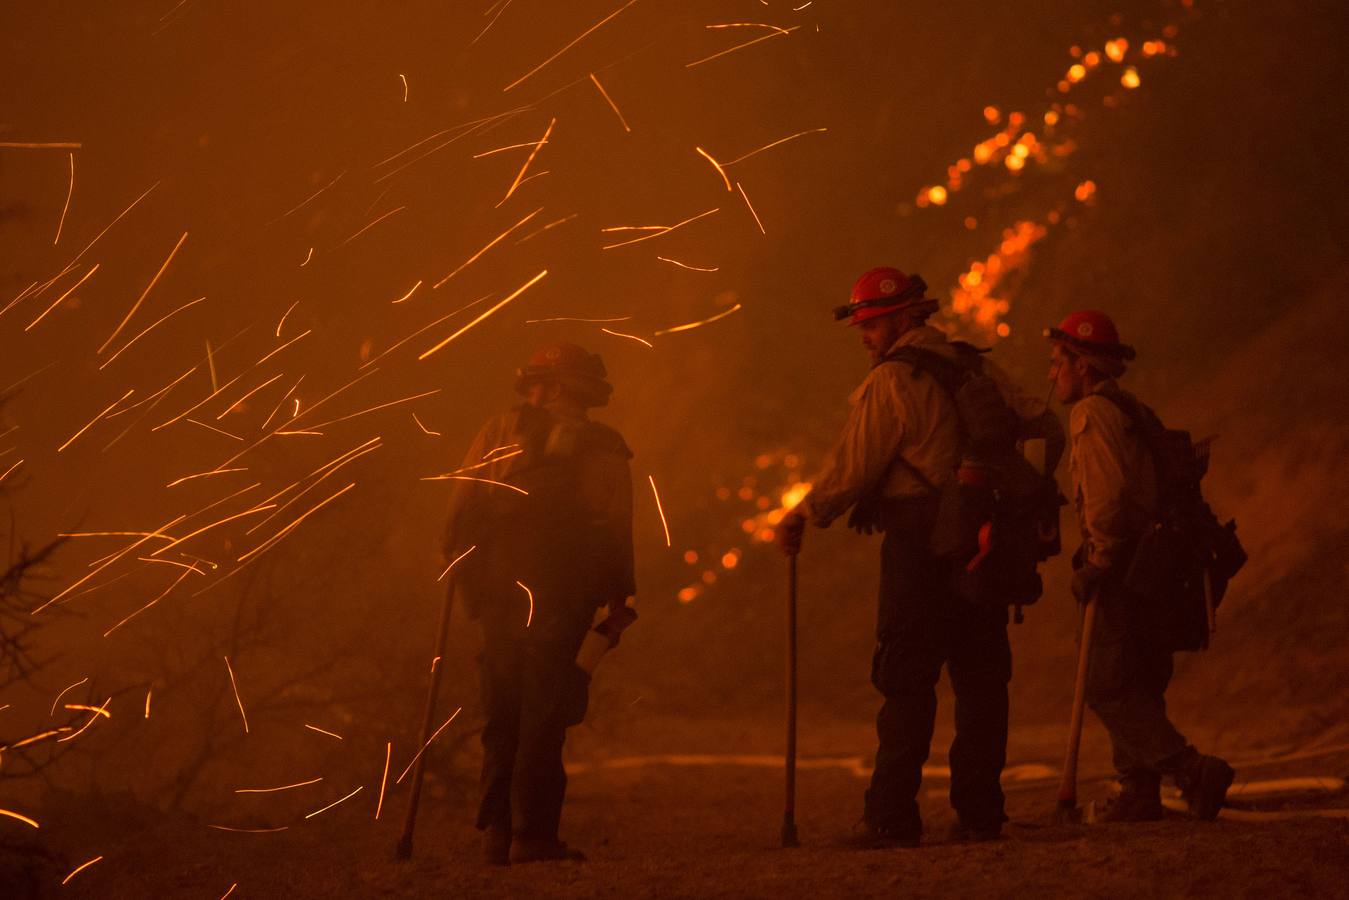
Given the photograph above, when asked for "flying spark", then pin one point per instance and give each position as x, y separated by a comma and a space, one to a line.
159, 322
204, 475
716, 165
456, 562
80, 868
57, 302
658, 230
166, 592
631, 337
691, 325
428, 743
237, 699
69, 193
532, 153
369, 226
284, 787
404, 79
751, 208
93, 420
517, 292
335, 802
687, 266
489, 246
423, 427
530, 595
284, 316
135, 306
13, 815
790, 137
388, 754
412, 290
573, 43
548, 227
85, 727
603, 93
575, 319
663, 524
66, 691
782, 31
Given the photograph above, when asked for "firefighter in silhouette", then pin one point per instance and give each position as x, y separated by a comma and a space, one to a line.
1115, 485
905, 456
543, 507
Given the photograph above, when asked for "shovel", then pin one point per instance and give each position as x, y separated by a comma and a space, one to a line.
1067, 811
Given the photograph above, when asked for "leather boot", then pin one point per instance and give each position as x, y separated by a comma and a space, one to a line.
1204, 786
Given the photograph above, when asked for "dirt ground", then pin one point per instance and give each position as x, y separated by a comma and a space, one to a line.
686, 818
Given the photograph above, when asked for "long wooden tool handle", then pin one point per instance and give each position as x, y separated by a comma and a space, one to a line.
789, 838
1068, 785
404, 847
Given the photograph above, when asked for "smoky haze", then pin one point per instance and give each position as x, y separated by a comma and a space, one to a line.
323, 159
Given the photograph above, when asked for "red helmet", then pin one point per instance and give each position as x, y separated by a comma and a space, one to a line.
571, 366
1090, 332
882, 291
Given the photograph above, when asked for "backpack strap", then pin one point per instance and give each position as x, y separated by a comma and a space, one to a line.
949, 374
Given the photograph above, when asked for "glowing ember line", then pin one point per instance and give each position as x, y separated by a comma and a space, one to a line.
533, 153
284, 316
80, 868
412, 290
167, 591
110, 560
237, 699
161, 321
334, 803
321, 731
237, 403
133, 205
494, 19
306, 200
13, 815
40, 145
282, 402
751, 208
687, 266
790, 137
225, 895
210, 364
631, 337
573, 43
284, 787
497, 150
96, 710
301, 336
85, 727
660, 509
423, 427
148, 692
480, 480
575, 319
464, 265
379, 407
190, 410
548, 227
456, 562
517, 292
204, 475
10, 470
369, 226
153, 281
66, 691
749, 25
332, 467
698, 62
308, 256
213, 428
716, 165
388, 754
87, 276
69, 193
170, 562
35, 738
530, 595
274, 539
473, 468
664, 229
429, 740
93, 420
247, 831
204, 528
423, 330
404, 79
691, 325
607, 99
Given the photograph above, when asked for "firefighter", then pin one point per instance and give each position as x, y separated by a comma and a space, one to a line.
548, 544
1115, 488
898, 454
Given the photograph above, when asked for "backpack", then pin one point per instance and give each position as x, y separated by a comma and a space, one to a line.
1000, 520
1182, 564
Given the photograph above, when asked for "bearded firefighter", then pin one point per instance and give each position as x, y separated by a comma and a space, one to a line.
1115, 486
542, 506
903, 452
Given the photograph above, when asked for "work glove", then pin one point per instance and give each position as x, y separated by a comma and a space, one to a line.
1087, 581
789, 532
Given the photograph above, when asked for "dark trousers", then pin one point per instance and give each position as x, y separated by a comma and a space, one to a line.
532, 691
1126, 688
922, 626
